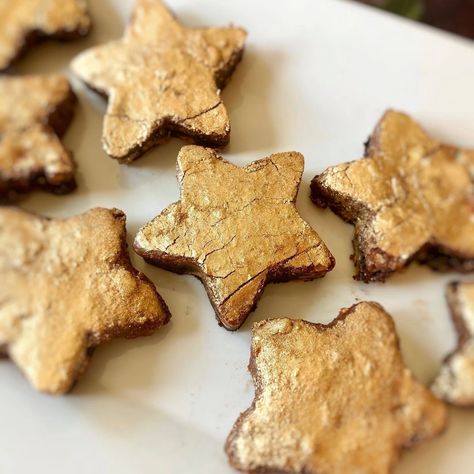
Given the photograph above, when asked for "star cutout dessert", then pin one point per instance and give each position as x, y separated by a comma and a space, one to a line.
236, 229
455, 382
27, 22
34, 112
410, 198
333, 398
162, 80
67, 286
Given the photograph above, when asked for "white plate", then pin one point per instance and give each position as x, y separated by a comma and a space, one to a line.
316, 77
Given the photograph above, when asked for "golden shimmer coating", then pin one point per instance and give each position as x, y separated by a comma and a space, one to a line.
331, 399
455, 382
34, 112
410, 198
236, 229
67, 286
26, 22
162, 80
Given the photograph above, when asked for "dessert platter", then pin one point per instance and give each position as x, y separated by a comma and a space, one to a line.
234, 236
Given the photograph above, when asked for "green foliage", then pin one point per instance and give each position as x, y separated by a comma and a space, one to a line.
410, 8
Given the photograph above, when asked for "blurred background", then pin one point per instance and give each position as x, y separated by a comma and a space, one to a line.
456, 16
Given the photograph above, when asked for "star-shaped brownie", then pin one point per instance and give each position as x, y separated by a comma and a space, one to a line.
236, 229
162, 80
67, 286
34, 112
410, 198
455, 382
26, 22
333, 398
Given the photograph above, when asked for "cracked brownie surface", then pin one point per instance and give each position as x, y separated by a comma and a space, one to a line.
236, 229
67, 286
410, 198
162, 80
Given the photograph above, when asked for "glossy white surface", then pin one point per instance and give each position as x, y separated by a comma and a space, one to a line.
315, 78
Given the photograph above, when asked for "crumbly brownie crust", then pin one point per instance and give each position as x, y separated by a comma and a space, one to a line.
28, 22
67, 286
162, 80
333, 398
236, 229
410, 199
35, 111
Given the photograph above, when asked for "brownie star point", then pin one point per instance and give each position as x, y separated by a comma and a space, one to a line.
333, 398
237, 229
410, 198
162, 79
26, 22
67, 286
